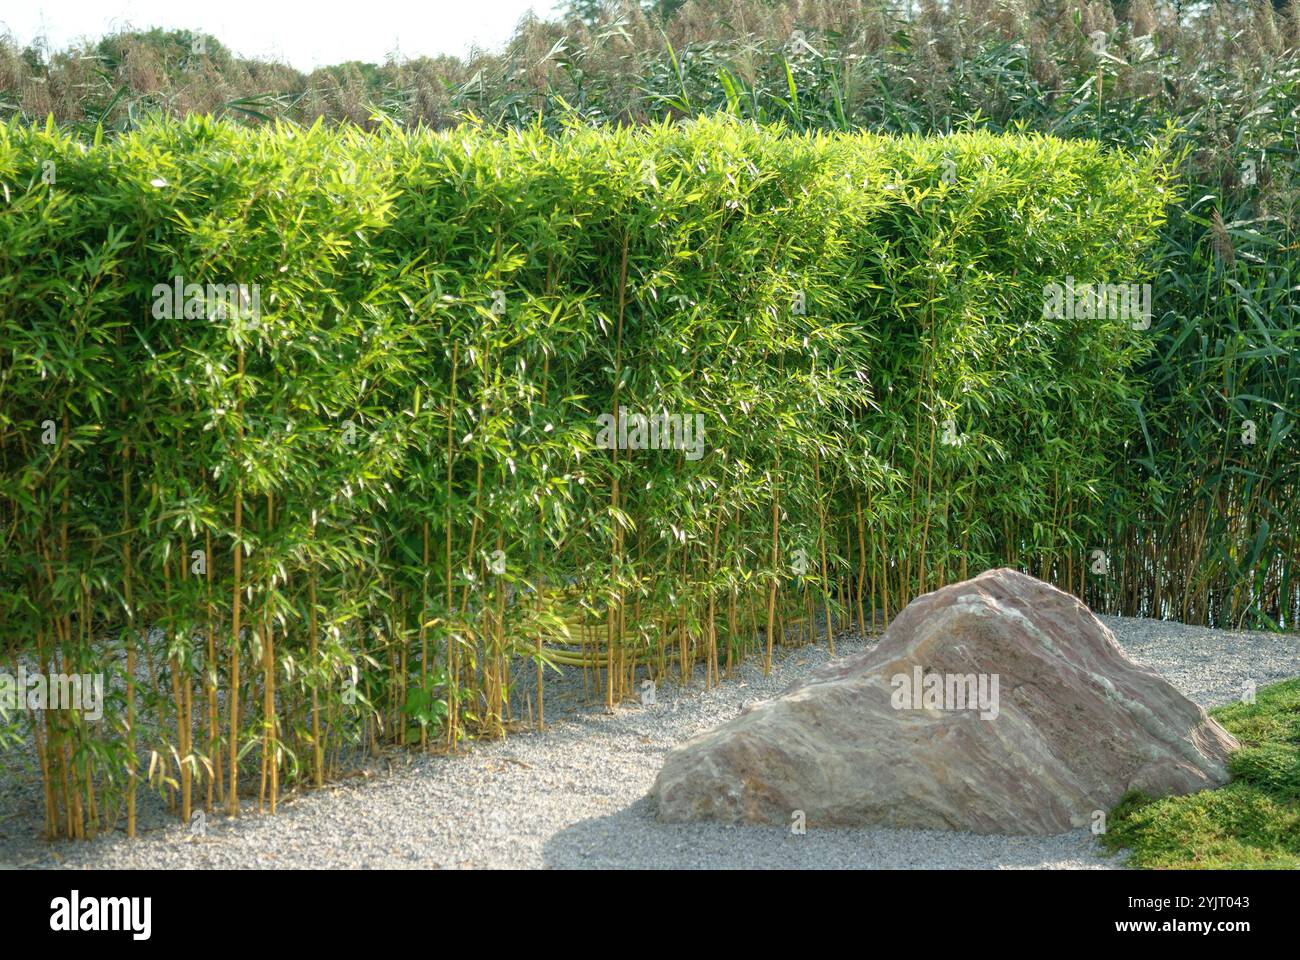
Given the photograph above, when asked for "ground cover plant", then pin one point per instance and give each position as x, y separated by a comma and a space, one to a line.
1253, 822
311, 436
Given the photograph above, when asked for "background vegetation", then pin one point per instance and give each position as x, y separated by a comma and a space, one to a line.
1215, 539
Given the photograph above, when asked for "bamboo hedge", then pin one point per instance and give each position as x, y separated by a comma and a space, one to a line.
305, 434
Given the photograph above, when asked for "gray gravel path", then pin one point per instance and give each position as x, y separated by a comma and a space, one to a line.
575, 796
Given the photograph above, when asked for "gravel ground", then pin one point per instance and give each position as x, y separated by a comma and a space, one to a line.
575, 796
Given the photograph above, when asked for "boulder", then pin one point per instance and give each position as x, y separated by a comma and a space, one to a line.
995, 705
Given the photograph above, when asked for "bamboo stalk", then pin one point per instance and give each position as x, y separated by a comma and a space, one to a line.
771, 593
232, 799
453, 657
270, 735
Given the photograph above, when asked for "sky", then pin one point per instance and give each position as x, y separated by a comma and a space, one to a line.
303, 33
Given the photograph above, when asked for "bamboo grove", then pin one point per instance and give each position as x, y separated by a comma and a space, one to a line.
1214, 542
377, 509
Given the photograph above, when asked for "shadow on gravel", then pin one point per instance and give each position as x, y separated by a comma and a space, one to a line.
633, 838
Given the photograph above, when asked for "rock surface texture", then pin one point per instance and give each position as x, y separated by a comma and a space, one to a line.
996, 705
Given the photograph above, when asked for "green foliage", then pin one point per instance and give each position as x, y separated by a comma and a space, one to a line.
1253, 822
402, 447
1213, 538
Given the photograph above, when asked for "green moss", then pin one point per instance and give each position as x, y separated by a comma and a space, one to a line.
1251, 823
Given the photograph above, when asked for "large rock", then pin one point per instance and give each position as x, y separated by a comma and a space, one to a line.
1064, 723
